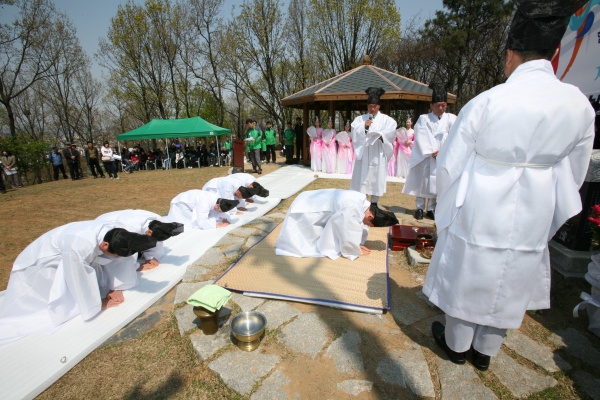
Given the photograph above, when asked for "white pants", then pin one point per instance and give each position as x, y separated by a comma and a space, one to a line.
430, 204
461, 335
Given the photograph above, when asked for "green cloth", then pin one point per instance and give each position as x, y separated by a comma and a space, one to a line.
270, 136
257, 143
211, 297
289, 136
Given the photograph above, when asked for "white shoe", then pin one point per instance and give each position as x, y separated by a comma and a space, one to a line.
117, 177
112, 177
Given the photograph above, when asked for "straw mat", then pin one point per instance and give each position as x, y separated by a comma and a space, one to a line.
362, 282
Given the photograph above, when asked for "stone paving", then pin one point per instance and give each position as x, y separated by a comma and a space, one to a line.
409, 365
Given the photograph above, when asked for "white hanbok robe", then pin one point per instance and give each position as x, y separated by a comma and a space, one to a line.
503, 193
373, 149
324, 223
58, 276
243, 179
345, 155
196, 208
225, 187
329, 159
430, 134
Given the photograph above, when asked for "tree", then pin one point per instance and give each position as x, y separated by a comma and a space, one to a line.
343, 31
470, 34
30, 47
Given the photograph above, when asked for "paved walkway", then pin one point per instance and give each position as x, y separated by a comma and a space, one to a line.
319, 352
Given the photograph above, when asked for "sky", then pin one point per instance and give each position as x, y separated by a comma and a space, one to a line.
92, 18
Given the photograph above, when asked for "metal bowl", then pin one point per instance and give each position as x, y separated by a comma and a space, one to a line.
248, 326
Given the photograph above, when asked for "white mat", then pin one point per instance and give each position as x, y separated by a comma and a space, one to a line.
324, 175
286, 181
30, 365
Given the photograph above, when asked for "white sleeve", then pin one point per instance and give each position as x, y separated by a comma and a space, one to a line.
156, 252
342, 235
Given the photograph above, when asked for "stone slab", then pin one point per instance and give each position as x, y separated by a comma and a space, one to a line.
187, 321
569, 263
271, 388
306, 334
415, 258
194, 273
355, 387
407, 310
426, 328
589, 384
578, 345
535, 352
259, 220
373, 319
252, 240
246, 303
185, 290
266, 227
425, 299
277, 313
240, 370
519, 380
242, 232
277, 215
407, 368
207, 345
229, 240
137, 327
345, 353
233, 250
213, 256
461, 382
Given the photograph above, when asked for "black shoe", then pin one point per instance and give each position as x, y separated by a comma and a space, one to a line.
419, 214
480, 361
430, 215
260, 172
438, 331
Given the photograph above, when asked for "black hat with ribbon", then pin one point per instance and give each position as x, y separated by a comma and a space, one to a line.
124, 243
164, 230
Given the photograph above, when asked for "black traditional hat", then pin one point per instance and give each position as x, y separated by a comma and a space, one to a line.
226, 205
382, 218
247, 192
124, 243
164, 230
260, 190
440, 92
374, 94
539, 24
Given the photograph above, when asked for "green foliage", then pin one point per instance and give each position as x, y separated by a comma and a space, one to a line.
31, 154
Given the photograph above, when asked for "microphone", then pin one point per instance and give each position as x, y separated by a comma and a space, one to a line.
370, 119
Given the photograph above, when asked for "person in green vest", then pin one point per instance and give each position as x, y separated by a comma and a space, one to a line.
289, 136
269, 141
254, 144
227, 145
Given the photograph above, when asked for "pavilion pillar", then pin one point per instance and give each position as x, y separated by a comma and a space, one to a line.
305, 146
386, 107
332, 112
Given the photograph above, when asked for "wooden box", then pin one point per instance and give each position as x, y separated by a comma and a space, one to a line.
404, 236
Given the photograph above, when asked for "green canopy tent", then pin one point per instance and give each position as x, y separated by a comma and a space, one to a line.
175, 128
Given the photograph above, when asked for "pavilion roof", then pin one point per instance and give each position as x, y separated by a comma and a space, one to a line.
351, 86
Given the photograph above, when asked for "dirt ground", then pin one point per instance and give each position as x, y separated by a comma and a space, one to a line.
162, 364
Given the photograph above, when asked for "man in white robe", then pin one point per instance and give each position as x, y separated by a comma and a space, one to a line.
504, 193
61, 275
144, 223
250, 182
329, 223
201, 210
228, 188
373, 136
431, 132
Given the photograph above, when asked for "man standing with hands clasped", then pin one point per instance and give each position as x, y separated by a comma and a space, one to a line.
431, 131
504, 193
373, 136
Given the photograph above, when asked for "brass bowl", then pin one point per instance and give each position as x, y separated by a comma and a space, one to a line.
247, 346
248, 326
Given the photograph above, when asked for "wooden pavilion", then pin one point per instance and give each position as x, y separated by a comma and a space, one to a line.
346, 93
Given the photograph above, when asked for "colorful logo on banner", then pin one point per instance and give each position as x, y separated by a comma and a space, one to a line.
580, 22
